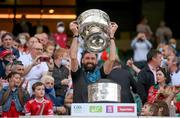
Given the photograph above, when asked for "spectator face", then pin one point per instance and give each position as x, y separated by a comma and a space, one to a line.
20, 69
39, 91
31, 41
17, 79
89, 61
62, 54
49, 83
160, 77
16, 44
146, 110
165, 51
7, 42
37, 49
22, 39
43, 38
2, 32
158, 60
60, 29
170, 61
50, 50
173, 43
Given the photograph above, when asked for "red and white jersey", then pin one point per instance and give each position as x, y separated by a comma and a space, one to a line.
34, 107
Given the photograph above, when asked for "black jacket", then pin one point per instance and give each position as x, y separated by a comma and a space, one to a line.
59, 74
145, 81
125, 80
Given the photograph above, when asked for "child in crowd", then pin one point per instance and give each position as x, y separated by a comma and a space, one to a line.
163, 108
149, 109
48, 81
13, 97
39, 105
68, 99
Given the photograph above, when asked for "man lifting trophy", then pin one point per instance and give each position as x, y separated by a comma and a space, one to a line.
97, 33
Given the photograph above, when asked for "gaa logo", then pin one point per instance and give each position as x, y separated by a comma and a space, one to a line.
95, 109
77, 108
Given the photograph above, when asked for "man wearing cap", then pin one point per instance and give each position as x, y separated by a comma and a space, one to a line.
61, 36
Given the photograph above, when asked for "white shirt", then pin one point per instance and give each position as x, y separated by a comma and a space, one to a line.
154, 73
141, 48
35, 73
175, 78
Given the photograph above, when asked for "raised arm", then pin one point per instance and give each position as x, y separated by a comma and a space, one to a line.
74, 46
112, 56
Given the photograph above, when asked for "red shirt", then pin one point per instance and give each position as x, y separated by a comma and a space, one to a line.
61, 39
152, 93
34, 107
177, 107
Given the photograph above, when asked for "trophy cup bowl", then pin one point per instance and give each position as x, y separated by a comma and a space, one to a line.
93, 27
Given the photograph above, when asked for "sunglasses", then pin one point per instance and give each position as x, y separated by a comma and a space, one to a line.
16, 62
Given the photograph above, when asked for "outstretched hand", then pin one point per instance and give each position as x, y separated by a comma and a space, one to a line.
130, 62
73, 26
112, 29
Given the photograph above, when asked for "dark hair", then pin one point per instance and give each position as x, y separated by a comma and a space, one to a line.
7, 34
36, 85
164, 106
11, 75
152, 53
85, 52
17, 40
17, 62
166, 74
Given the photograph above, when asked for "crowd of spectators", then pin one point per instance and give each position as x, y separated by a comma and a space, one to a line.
41, 76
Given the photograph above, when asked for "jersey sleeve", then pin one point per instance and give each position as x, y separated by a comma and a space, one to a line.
27, 109
50, 108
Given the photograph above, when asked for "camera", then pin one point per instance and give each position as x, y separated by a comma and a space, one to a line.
44, 59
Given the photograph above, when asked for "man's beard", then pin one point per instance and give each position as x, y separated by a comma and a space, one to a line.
87, 68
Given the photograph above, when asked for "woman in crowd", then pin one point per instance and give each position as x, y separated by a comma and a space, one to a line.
160, 90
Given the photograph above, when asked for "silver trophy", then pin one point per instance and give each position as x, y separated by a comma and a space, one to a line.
93, 27
104, 90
